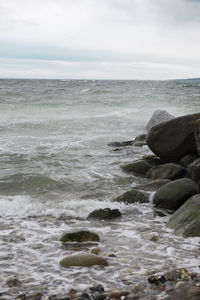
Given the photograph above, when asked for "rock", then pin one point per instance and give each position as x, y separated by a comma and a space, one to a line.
152, 186
173, 139
166, 171
193, 171
173, 194
13, 282
141, 166
95, 251
59, 297
97, 288
139, 141
83, 260
133, 196
79, 236
185, 291
187, 159
186, 220
197, 135
104, 214
158, 117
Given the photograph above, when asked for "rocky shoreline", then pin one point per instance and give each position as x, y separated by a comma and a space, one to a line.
174, 171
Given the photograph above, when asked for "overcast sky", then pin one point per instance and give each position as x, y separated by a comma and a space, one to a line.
100, 39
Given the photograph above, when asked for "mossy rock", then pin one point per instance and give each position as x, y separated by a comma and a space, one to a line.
83, 260
104, 214
186, 220
133, 196
174, 194
79, 236
166, 171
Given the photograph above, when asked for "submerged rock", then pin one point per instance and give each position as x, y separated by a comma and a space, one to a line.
139, 141
158, 117
175, 138
186, 220
166, 171
83, 260
104, 214
133, 196
79, 236
173, 194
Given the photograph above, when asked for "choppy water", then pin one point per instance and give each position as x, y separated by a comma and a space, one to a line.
56, 168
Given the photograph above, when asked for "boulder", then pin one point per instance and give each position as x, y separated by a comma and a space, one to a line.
152, 186
173, 139
166, 171
158, 117
104, 214
83, 260
188, 159
133, 196
173, 194
193, 171
141, 166
197, 135
79, 236
186, 220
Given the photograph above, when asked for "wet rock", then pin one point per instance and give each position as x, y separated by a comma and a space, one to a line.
139, 141
141, 166
157, 279
13, 282
121, 144
188, 159
158, 117
59, 297
197, 135
104, 214
185, 291
173, 139
97, 288
166, 171
133, 196
186, 220
83, 260
95, 251
80, 236
193, 170
173, 194
37, 296
152, 186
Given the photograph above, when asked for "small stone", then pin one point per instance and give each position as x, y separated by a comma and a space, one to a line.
97, 288
83, 260
96, 251
79, 236
104, 214
154, 238
13, 282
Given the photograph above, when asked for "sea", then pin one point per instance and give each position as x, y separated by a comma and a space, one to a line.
56, 167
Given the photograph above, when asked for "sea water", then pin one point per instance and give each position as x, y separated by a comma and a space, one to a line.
57, 167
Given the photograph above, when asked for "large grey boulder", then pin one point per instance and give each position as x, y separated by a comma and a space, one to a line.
83, 260
141, 166
158, 117
197, 135
166, 171
186, 220
174, 194
175, 138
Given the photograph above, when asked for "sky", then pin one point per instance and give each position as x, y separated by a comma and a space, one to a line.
100, 39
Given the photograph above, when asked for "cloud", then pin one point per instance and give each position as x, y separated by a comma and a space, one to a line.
119, 32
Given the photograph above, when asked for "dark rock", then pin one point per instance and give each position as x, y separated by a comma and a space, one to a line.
37, 296
193, 171
188, 159
104, 214
99, 296
13, 282
141, 166
152, 186
185, 291
167, 171
173, 194
173, 139
140, 140
197, 135
97, 288
59, 297
83, 260
79, 236
133, 196
158, 117
186, 220
157, 279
